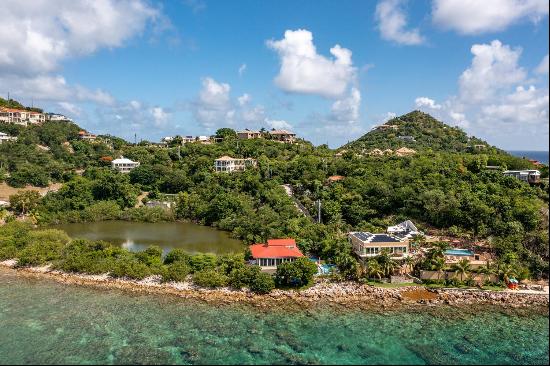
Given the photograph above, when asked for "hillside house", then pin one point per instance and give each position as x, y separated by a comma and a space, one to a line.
57, 117
453, 256
405, 229
407, 138
229, 164
387, 127
249, 134
86, 136
124, 165
366, 245
528, 176
283, 136
276, 251
21, 116
205, 140
335, 178
4, 137
404, 151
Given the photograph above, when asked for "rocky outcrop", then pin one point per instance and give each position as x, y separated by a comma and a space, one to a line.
348, 294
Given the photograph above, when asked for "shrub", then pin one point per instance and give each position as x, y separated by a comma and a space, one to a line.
262, 283
228, 262
243, 276
200, 262
177, 255
44, 246
176, 271
8, 252
129, 266
295, 274
151, 256
210, 278
147, 214
100, 211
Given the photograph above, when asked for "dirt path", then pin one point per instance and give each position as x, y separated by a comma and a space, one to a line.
140, 199
6, 191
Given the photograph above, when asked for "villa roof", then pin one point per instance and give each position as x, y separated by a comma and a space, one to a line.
276, 248
123, 160
335, 178
226, 157
281, 132
367, 237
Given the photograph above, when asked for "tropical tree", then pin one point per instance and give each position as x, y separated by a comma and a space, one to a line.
438, 249
388, 264
462, 267
438, 264
374, 269
25, 201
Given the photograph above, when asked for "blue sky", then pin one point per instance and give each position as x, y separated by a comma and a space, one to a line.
191, 66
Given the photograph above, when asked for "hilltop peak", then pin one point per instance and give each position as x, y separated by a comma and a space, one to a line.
419, 131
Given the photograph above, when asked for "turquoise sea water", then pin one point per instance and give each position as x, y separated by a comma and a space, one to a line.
45, 322
541, 156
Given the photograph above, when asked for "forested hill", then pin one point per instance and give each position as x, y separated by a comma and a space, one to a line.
419, 131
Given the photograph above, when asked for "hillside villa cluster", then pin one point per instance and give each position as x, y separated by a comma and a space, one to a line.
275, 135
397, 241
25, 117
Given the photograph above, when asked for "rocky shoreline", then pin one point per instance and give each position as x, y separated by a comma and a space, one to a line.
347, 294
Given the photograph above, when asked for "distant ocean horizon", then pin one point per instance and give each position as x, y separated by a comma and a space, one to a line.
541, 156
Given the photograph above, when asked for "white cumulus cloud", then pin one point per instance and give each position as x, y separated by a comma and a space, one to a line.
242, 69
426, 102
496, 98
494, 67
482, 16
305, 71
392, 23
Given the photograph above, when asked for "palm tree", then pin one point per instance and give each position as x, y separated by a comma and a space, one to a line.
374, 269
388, 264
409, 263
438, 264
438, 249
486, 271
506, 271
462, 268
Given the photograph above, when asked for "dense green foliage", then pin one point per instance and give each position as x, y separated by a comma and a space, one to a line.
298, 273
442, 187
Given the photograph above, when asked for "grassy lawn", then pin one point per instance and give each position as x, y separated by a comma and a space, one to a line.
391, 285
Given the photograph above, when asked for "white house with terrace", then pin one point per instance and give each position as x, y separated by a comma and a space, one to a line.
229, 164
4, 137
366, 245
124, 165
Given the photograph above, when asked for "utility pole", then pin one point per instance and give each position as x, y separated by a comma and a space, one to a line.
135, 138
318, 211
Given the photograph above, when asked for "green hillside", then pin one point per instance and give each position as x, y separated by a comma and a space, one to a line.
428, 134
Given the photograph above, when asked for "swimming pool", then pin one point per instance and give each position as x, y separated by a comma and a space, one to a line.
459, 252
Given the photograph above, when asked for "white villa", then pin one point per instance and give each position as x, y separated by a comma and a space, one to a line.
404, 229
21, 116
366, 245
249, 134
5, 138
229, 164
529, 176
124, 165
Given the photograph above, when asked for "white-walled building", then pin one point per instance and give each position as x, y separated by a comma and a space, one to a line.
529, 176
21, 116
124, 165
366, 245
4, 137
229, 164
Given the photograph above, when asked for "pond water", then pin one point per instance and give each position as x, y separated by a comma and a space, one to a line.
136, 236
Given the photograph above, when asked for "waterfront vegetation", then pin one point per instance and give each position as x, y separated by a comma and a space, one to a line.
443, 187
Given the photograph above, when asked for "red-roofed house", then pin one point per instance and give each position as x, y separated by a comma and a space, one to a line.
276, 251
